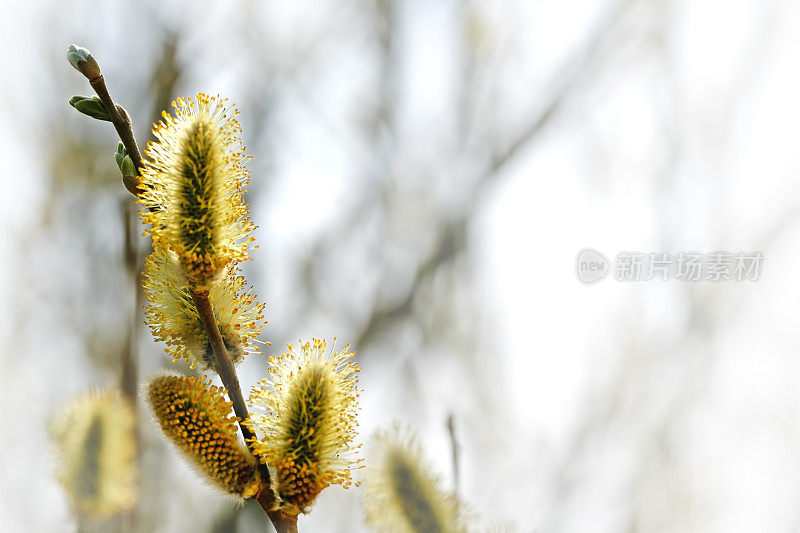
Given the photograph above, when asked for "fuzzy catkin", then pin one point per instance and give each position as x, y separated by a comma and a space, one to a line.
307, 415
94, 436
197, 420
192, 185
401, 493
173, 317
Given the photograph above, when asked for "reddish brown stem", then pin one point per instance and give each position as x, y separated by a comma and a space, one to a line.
227, 373
284, 523
122, 123
224, 365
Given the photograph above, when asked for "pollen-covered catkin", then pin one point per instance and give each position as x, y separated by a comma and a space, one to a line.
308, 421
197, 419
401, 493
94, 437
173, 318
192, 182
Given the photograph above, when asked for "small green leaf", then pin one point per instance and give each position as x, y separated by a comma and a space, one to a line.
124, 161
92, 107
120, 155
127, 167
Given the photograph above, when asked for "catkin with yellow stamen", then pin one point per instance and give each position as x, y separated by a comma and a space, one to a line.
402, 495
94, 436
173, 317
192, 182
308, 418
197, 419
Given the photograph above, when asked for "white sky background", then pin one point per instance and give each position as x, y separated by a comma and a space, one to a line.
654, 406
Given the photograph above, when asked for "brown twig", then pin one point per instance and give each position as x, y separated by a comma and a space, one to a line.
122, 123
224, 365
284, 523
227, 373
88, 66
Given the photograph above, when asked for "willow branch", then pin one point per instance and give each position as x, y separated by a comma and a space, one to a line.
224, 366
87, 65
122, 123
283, 522
227, 373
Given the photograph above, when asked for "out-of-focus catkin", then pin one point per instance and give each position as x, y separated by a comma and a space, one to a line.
402, 495
173, 318
192, 182
305, 416
197, 419
94, 437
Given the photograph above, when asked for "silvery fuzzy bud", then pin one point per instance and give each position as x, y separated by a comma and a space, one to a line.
81, 59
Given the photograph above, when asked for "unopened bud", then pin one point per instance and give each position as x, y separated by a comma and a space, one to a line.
81, 59
124, 161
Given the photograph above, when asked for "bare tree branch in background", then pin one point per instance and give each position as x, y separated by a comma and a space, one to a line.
451, 240
454, 451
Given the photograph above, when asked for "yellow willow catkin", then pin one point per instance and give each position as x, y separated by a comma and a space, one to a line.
308, 418
193, 180
402, 495
173, 318
197, 419
94, 436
